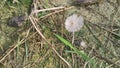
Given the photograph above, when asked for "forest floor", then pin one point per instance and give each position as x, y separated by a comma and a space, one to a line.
33, 34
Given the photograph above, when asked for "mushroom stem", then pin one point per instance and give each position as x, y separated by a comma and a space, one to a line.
73, 37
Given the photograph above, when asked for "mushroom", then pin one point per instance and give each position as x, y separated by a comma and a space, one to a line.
73, 24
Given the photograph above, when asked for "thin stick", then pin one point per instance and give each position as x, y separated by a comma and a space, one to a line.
55, 8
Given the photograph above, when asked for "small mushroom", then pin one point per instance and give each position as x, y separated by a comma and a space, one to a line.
74, 23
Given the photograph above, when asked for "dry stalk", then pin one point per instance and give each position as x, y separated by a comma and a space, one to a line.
52, 13
49, 9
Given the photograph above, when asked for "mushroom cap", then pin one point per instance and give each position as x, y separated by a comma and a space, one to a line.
74, 23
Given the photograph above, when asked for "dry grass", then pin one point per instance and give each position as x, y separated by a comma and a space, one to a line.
34, 45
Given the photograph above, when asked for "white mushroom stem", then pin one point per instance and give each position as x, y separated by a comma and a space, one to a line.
73, 37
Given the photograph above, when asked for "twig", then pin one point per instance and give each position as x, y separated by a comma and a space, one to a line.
55, 8
68, 8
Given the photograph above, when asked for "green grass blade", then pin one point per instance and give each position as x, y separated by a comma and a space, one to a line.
67, 43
